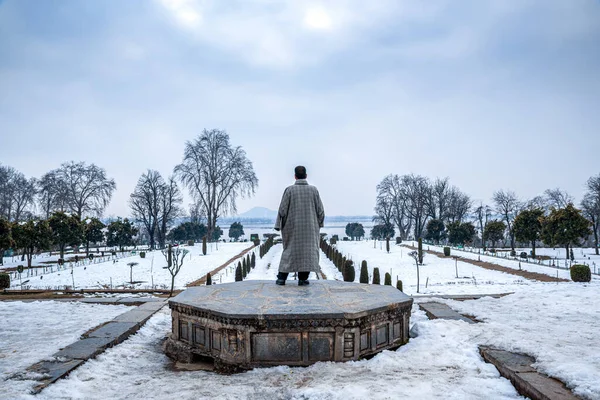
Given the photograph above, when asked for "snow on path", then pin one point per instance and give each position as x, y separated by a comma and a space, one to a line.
557, 324
514, 264
33, 331
149, 270
439, 274
443, 363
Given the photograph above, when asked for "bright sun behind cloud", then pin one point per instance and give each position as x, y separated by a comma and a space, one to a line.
185, 11
317, 18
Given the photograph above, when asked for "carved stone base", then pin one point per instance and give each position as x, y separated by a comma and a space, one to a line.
256, 323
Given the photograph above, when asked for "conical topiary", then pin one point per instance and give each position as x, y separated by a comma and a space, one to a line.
253, 260
376, 277
399, 285
387, 244
388, 279
203, 245
238, 273
208, 279
364, 273
244, 270
349, 272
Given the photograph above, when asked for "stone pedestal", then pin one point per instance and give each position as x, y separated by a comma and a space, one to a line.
257, 323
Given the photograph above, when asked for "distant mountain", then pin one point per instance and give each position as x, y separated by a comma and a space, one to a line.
258, 213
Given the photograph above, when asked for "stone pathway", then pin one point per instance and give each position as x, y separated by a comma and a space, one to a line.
495, 267
214, 272
442, 311
95, 341
528, 382
513, 366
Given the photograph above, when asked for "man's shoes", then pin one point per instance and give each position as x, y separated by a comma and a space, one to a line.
303, 283
280, 282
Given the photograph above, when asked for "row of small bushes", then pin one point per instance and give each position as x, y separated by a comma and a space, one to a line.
346, 267
244, 267
266, 246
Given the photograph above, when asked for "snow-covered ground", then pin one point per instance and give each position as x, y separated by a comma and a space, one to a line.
562, 271
436, 276
556, 323
545, 320
149, 272
33, 331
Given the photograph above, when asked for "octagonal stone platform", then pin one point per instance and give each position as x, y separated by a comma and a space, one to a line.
257, 323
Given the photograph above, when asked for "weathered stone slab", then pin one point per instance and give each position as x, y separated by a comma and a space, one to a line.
153, 306
442, 311
257, 323
84, 349
116, 332
52, 371
528, 382
136, 315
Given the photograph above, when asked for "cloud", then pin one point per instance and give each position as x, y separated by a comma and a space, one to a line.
186, 12
317, 18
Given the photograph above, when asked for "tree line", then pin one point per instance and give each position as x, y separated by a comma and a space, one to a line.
214, 172
437, 211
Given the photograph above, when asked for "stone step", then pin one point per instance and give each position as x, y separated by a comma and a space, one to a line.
442, 311
518, 369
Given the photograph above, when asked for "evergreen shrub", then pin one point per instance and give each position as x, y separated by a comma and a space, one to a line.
581, 273
388, 279
399, 285
4, 281
376, 277
364, 272
447, 251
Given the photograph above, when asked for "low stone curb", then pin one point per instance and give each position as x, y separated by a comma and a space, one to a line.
94, 342
442, 311
528, 382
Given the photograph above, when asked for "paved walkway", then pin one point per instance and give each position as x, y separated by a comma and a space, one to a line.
495, 267
513, 366
214, 272
95, 341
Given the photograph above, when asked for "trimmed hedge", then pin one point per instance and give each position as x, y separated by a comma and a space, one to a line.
581, 273
376, 277
4, 281
388, 279
349, 272
364, 272
399, 285
447, 251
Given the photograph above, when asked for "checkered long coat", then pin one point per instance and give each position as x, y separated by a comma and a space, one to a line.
300, 218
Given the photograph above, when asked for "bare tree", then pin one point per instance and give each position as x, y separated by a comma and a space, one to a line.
51, 192
216, 174
591, 206
556, 198
170, 209
483, 214
87, 189
7, 182
145, 202
17, 194
416, 189
155, 203
391, 198
508, 205
24, 192
438, 199
459, 205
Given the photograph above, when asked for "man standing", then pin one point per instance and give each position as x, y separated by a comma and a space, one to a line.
300, 217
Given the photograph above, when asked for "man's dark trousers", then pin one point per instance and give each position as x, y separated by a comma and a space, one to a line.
302, 276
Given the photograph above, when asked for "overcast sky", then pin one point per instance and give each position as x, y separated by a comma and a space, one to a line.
493, 94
